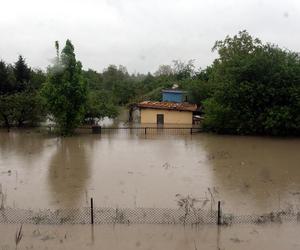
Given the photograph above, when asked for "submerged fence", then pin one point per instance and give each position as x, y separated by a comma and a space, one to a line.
163, 130
106, 216
185, 216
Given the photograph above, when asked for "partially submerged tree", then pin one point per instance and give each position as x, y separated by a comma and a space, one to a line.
65, 90
8, 108
257, 88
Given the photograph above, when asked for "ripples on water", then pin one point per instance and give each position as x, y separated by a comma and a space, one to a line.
249, 174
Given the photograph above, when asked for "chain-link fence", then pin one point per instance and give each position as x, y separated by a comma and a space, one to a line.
138, 216
107, 216
272, 217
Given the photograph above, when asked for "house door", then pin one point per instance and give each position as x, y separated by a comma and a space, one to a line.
160, 119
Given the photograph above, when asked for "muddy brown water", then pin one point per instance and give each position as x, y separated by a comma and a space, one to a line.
248, 174
152, 237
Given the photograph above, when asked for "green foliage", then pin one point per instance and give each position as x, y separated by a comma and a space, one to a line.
99, 105
251, 88
28, 108
19, 100
22, 74
38, 77
125, 89
7, 79
93, 79
164, 70
198, 90
240, 45
257, 89
65, 91
118, 82
183, 70
153, 95
7, 110
5, 86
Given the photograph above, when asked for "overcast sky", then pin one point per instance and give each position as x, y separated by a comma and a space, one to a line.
140, 34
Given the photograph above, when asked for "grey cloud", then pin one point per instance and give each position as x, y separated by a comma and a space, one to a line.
140, 34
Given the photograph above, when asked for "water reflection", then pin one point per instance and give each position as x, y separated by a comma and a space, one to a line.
27, 146
69, 171
129, 169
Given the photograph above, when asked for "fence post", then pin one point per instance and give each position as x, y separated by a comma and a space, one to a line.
92, 211
96, 129
219, 213
145, 131
191, 131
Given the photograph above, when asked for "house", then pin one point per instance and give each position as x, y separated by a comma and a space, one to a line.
172, 110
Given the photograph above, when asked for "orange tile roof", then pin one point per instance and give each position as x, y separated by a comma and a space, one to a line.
182, 106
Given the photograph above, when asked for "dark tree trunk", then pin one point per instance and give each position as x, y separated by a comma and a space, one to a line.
130, 119
21, 119
7, 125
20, 123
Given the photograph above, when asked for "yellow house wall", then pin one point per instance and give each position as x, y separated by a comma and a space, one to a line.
170, 116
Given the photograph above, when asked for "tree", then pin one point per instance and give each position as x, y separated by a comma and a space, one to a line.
7, 110
99, 104
94, 79
240, 45
18, 94
199, 86
164, 70
5, 85
65, 91
199, 90
112, 74
28, 108
22, 74
38, 77
257, 88
183, 70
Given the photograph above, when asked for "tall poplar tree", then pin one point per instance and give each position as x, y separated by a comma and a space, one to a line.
65, 91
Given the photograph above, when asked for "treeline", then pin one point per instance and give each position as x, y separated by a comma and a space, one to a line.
251, 88
70, 96
19, 99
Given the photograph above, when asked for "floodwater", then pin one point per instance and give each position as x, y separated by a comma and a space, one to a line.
152, 237
123, 169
